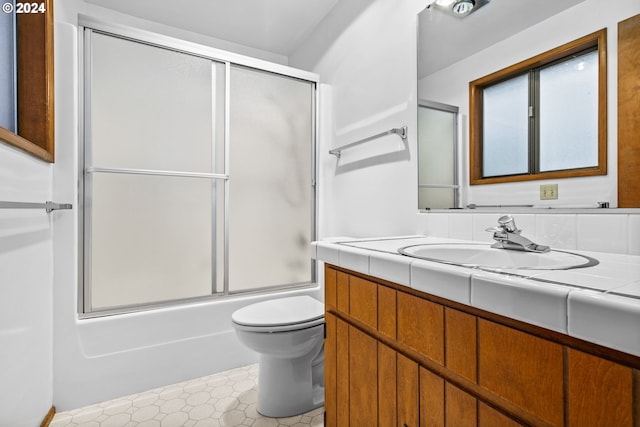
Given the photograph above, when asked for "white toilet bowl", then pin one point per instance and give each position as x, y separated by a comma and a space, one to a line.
289, 335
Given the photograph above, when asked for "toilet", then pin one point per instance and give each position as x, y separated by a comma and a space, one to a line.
288, 333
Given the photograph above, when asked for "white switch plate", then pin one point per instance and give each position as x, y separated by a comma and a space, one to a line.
549, 192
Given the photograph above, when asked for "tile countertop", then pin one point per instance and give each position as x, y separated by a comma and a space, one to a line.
599, 304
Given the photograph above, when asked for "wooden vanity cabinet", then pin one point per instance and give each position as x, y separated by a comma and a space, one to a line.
398, 357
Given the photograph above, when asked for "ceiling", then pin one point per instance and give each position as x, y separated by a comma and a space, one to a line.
276, 26
445, 39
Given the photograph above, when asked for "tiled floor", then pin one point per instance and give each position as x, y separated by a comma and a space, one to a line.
221, 400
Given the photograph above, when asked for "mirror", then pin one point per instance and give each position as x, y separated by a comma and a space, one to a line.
454, 51
27, 104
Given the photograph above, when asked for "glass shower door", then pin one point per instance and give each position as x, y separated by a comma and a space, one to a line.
437, 156
270, 220
154, 189
198, 176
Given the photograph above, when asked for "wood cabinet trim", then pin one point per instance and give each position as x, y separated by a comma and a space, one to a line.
493, 400
628, 110
557, 337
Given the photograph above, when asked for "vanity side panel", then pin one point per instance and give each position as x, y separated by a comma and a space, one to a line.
461, 343
342, 373
330, 364
522, 368
421, 326
600, 392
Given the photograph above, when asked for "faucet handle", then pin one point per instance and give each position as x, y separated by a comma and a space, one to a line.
494, 229
507, 223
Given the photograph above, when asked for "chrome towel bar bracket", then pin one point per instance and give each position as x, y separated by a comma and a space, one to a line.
401, 132
48, 206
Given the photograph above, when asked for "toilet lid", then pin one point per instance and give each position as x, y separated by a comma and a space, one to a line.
280, 312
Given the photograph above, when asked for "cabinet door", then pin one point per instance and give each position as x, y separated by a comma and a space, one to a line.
408, 392
363, 382
489, 417
421, 326
387, 386
342, 292
460, 407
600, 392
387, 311
363, 301
431, 399
460, 343
522, 368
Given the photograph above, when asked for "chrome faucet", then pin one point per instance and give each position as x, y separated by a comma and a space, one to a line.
507, 236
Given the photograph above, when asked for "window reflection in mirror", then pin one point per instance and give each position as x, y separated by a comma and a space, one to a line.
7, 72
544, 117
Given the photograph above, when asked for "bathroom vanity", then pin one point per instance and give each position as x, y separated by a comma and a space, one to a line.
411, 342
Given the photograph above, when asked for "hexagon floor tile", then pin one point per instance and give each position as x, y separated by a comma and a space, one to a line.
224, 399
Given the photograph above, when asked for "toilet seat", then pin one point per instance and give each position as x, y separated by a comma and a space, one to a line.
280, 315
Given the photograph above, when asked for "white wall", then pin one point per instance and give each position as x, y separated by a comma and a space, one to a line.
370, 67
26, 286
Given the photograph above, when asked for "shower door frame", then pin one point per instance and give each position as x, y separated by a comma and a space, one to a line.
86, 26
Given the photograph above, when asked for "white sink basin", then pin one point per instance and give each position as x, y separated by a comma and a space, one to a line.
484, 256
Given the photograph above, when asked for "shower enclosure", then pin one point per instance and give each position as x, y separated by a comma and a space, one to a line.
198, 173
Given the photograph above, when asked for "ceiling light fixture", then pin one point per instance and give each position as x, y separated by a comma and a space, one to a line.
463, 7
458, 8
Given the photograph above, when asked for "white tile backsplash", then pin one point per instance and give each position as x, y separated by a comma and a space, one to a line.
617, 233
603, 233
461, 227
556, 231
634, 234
437, 225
